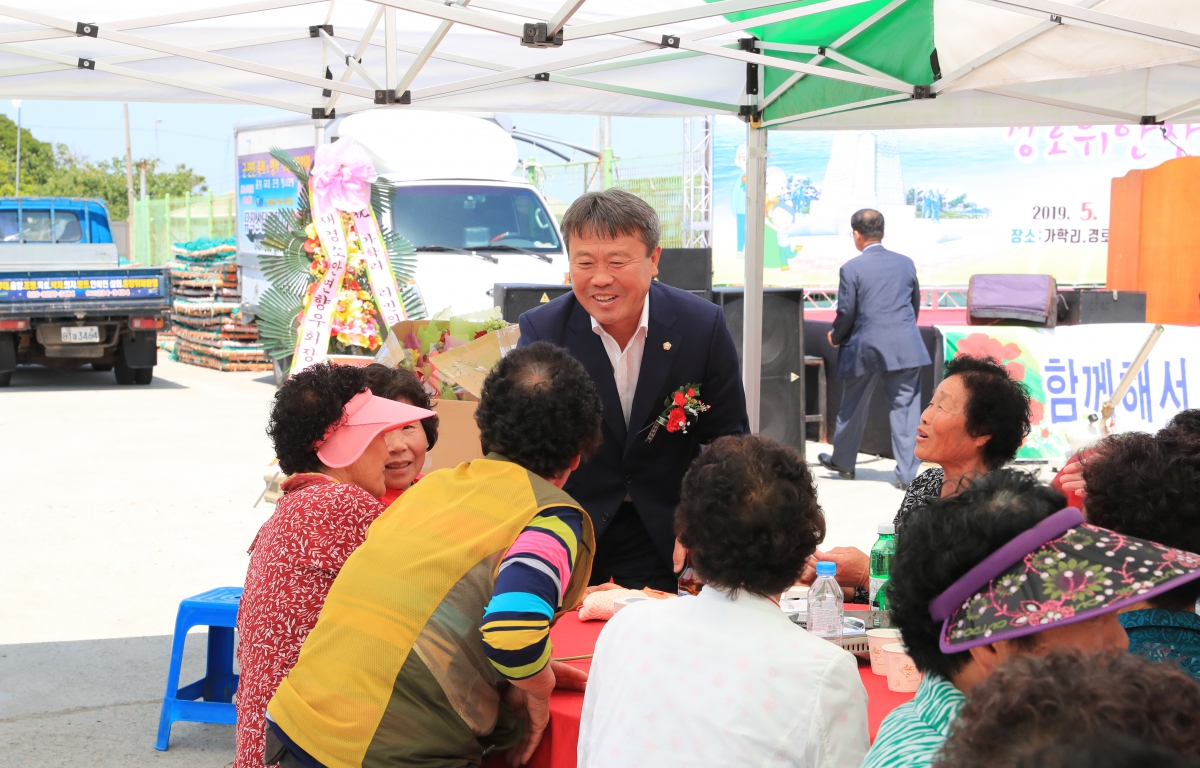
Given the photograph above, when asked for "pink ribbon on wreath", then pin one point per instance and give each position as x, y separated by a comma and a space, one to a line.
342, 175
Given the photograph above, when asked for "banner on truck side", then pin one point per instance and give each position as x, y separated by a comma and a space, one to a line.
91, 287
1071, 371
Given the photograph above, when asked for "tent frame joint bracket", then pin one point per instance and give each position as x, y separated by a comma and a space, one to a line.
86, 64
1150, 120
86, 29
748, 114
924, 92
669, 41
542, 77
320, 113
315, 30
389, 97
537, 35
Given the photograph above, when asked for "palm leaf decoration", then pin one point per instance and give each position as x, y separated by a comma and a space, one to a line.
279, 321
289, 162
286, 265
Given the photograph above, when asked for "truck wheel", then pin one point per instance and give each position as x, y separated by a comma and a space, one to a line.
102, 367
6, 378
124, 374
143, 375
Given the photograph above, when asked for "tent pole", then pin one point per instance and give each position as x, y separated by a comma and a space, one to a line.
391, 70
752, 308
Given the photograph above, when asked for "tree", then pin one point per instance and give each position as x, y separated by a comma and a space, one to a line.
56, 171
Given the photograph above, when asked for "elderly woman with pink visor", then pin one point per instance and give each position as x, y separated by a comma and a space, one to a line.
329, 435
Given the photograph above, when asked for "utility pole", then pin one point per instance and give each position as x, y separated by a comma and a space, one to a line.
129, 175
17, 104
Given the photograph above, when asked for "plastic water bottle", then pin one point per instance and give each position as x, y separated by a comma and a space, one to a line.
825, 604
881, 567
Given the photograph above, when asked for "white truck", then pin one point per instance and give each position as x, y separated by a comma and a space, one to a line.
457, 199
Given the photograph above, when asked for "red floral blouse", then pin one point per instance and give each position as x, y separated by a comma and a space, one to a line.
294, 559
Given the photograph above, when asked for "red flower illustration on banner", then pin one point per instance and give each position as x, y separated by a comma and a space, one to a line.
982, 345
1015, 370
1037, 411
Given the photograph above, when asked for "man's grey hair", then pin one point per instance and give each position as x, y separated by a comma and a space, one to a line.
610, 214
868, 223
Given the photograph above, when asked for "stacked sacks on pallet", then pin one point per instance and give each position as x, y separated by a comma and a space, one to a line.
206, 309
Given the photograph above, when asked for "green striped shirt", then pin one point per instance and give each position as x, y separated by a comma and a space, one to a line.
914, 731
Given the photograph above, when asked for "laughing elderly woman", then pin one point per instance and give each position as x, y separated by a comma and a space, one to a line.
979, 416
328, 430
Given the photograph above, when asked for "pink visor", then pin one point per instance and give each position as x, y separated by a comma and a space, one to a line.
364, 418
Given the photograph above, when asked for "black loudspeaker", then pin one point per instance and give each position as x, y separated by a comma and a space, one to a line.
686, 268
877, 437
515, 298
1096, 306
781, 396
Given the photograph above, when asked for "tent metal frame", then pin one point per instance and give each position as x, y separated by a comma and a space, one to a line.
632, 42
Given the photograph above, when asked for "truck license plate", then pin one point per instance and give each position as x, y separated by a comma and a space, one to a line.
81, 334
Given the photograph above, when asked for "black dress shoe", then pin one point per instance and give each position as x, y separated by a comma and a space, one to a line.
827, 462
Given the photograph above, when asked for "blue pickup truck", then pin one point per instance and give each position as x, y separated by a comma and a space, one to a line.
65, 299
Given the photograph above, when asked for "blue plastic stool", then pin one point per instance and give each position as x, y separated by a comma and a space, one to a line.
217, 609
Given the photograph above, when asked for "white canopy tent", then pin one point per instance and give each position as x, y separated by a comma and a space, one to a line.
782, 64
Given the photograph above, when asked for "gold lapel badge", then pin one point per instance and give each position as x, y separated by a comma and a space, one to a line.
667, 346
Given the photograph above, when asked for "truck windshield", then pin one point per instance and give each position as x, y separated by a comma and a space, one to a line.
472, 216
35, 226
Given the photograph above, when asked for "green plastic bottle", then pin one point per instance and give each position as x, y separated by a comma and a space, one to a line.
881, 567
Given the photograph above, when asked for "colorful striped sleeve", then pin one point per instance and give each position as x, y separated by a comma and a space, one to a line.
529, 589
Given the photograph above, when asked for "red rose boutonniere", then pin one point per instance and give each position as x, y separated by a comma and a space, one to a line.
682, 405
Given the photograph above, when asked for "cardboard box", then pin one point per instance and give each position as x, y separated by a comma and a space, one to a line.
458, 437
466, 366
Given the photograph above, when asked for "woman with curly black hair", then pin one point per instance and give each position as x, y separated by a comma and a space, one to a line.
726, 673
328, 428
979, 416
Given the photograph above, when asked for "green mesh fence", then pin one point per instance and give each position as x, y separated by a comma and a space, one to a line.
160, 223
657, 179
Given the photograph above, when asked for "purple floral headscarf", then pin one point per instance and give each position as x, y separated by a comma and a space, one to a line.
1058, 572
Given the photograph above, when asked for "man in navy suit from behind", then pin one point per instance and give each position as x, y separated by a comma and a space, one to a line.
876, 329
640, 341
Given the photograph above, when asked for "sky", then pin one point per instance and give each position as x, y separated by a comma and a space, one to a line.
201, 135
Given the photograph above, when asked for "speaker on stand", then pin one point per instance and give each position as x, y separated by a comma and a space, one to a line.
781, 396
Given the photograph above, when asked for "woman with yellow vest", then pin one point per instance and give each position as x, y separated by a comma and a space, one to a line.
433, 646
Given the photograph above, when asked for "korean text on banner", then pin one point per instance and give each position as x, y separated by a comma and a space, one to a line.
1071, 370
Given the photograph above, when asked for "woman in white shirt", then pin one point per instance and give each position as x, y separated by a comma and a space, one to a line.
724, 678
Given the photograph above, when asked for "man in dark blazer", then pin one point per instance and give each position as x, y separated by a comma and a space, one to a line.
876, 329
641, 341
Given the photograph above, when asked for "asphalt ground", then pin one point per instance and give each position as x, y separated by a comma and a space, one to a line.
118, 502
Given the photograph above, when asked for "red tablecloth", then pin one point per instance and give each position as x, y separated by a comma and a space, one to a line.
572, 637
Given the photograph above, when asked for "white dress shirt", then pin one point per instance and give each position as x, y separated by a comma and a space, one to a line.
626, 363
714, 681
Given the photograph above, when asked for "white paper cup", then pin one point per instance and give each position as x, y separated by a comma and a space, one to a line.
902, 674
876, 639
